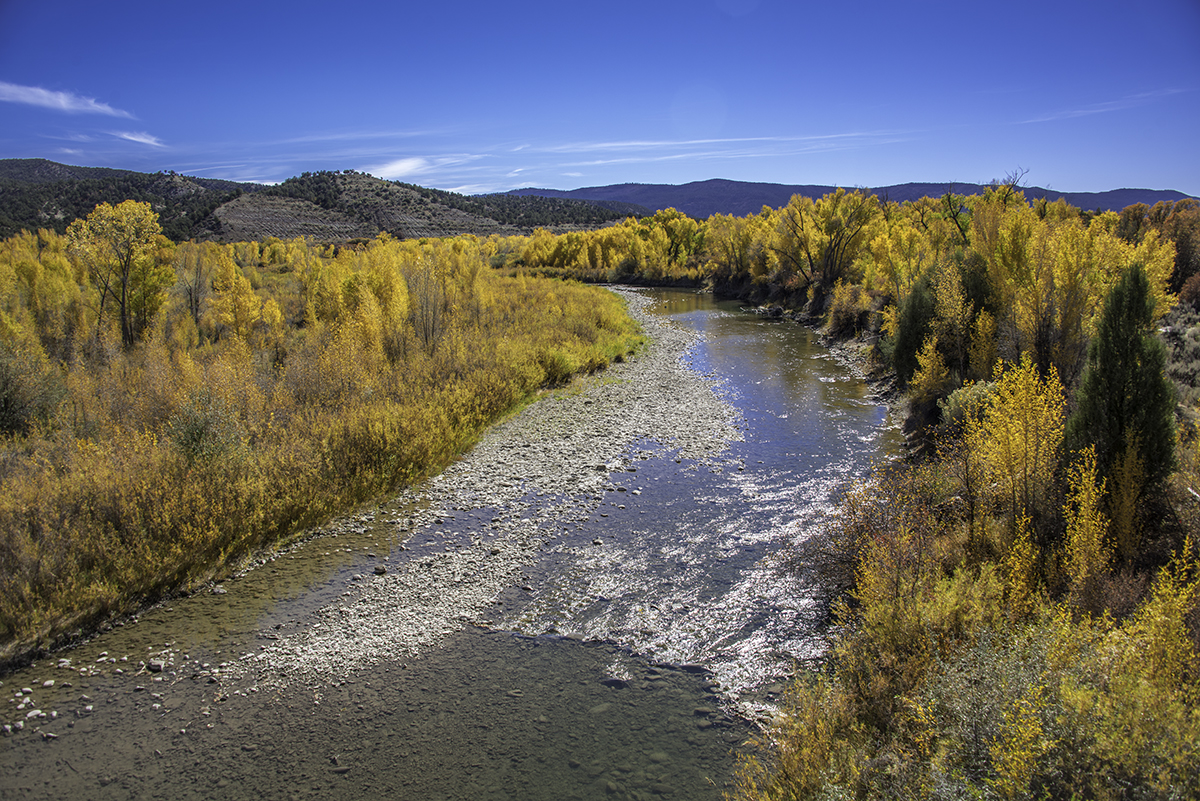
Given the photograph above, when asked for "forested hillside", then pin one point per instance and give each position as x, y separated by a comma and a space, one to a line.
329, 207
409, 211
35, 193
718, 196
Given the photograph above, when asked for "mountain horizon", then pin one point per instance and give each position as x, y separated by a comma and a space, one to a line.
701, 199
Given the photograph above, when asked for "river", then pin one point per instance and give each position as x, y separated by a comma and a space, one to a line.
590, 604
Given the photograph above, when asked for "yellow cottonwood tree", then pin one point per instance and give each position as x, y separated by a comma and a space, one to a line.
234, 305
1019, 434
1088, 549
121, 249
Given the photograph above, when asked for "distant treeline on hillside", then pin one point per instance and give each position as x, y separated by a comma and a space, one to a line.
36, 193
702, 199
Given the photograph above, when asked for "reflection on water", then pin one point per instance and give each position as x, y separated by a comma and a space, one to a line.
691, 568
678, 569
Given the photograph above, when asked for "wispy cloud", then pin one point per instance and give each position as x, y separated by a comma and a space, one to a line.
411, 166
141, 137
1129, 101
59, 101
354, 136
645, 152
681, 144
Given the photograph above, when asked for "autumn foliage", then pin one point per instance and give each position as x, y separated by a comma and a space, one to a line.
156, 431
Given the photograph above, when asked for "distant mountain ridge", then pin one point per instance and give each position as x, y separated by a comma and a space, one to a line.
341, 206
701, 199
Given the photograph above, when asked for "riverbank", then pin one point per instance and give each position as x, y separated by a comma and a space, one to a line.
167, 465
586, 604
542, 470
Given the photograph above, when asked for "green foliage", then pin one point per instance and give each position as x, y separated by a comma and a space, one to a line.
963, 403
912, 327
1125, 400
30, 388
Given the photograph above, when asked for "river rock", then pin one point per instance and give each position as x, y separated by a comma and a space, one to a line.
564, 451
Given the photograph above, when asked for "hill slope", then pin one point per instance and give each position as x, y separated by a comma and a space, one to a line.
700, 199
36, 193
328, 206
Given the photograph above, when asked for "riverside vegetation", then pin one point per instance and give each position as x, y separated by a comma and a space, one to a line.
1017, 607
168, 409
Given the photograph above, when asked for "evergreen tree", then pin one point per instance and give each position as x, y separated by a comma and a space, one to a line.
917, 314
1126, 404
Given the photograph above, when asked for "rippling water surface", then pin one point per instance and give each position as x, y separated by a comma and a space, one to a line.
620, 669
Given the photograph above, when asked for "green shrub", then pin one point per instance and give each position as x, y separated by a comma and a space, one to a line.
913, 325
30, 388
205, 428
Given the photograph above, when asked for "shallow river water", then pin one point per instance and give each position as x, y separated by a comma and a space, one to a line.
622, 612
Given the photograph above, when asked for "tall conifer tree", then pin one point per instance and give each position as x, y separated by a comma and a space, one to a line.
1125, 397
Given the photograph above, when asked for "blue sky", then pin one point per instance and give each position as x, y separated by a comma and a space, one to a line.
490, 96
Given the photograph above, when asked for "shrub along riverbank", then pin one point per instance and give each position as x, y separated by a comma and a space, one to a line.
1018, 607
169, 410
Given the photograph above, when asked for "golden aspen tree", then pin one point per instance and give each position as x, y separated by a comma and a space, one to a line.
899, 256
983, 345
794, 242
932, 379
734, 246
1019, 434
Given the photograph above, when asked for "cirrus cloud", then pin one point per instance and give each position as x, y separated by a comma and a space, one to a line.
59, 101
141, 137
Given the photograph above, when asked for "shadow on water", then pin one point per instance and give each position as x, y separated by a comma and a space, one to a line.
671, 593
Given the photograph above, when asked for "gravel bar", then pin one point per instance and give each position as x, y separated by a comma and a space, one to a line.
535, 473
